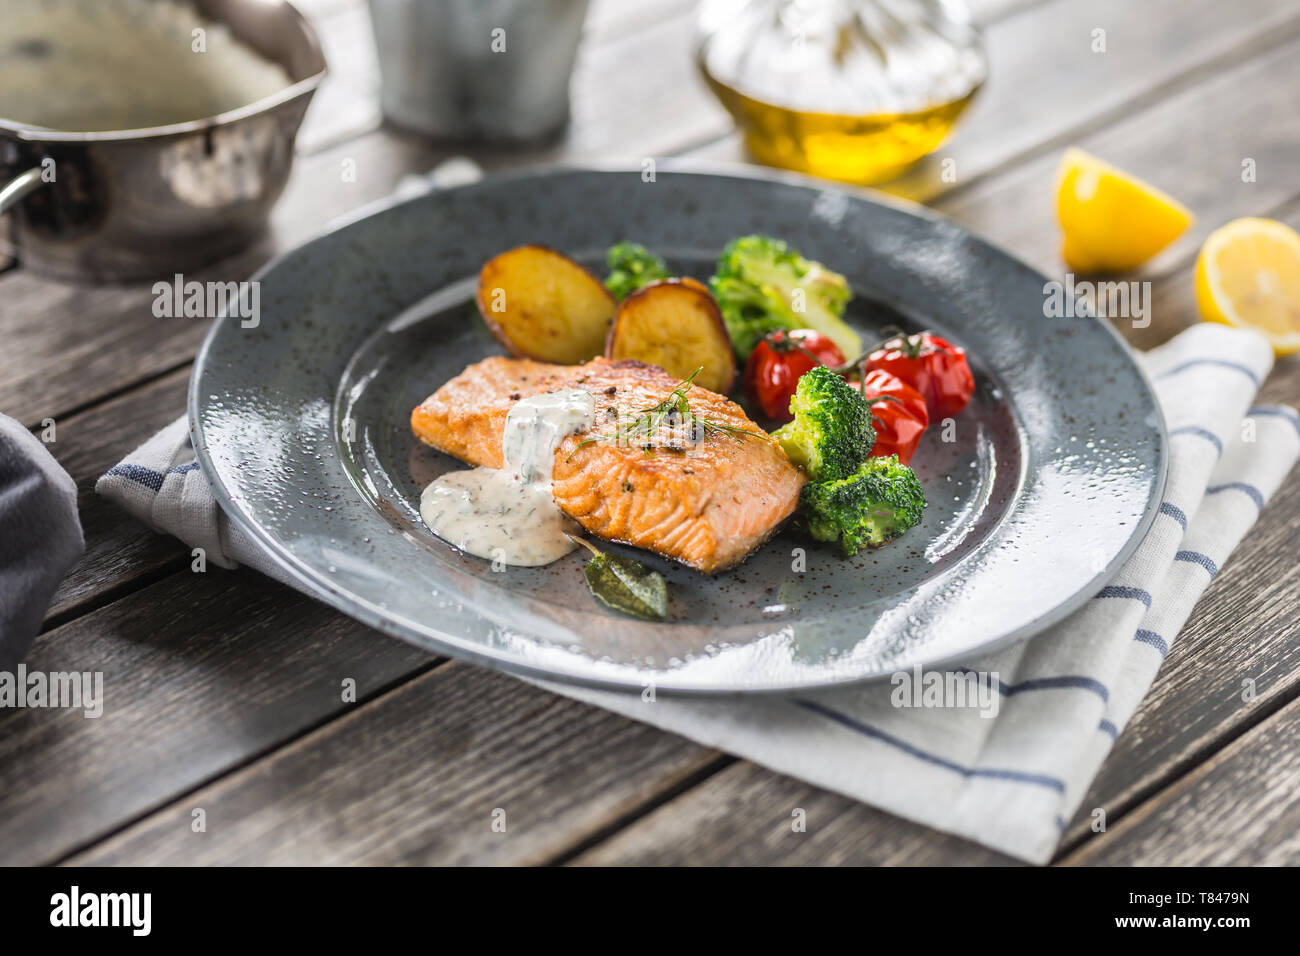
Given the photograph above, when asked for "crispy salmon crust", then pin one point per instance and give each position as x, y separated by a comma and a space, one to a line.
707, 504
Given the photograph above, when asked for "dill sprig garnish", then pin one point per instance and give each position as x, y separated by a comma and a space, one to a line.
674, 410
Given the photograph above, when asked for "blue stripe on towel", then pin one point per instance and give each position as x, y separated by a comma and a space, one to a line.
1278, 411
1174, 512
1143, 636
1063, 682
1057, 683
1014, 776
139, 474
1121, 591
1199, 432
1195, 557
147, 476
1109, 729
1216, 362
1250, 491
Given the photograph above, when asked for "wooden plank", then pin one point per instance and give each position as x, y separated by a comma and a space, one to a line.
633, 98
416, 776
612, 19
7, 260
1054, 84
347, 103
1170, 144
109, 334
1046, 85
201, 673
642, 96
1196, 705
120, 550
747, 816
1240, 808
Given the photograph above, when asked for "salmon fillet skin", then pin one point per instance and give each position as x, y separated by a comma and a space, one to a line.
705, 500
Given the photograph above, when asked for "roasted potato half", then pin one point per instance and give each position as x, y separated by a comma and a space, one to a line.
676, 325
540, 304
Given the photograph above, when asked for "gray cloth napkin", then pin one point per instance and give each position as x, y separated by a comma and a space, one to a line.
40, 536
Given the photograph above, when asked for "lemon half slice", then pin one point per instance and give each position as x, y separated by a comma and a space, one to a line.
1112, 222
1248, 275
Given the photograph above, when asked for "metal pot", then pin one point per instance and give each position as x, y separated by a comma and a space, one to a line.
139, 203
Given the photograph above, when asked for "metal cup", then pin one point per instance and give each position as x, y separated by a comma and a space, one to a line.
487, 70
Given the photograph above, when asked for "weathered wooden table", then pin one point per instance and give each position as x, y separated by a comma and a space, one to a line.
223, 688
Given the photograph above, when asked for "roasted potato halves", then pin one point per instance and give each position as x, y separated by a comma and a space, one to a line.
676, 325
540, 304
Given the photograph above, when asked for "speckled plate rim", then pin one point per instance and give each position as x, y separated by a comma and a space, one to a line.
315, 583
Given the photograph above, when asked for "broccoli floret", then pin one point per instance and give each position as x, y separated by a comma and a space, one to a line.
867, 509
831, 434
763, 285
630, 267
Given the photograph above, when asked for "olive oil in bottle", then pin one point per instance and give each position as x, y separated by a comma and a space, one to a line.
852, 90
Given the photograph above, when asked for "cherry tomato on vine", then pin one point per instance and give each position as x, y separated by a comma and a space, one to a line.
776, 364
899, 410
931, 365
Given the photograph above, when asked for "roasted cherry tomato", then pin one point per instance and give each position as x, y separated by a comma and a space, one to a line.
932, 366
899, 410
776, 364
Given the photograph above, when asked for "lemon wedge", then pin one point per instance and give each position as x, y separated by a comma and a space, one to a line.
1111, 221
1248, 275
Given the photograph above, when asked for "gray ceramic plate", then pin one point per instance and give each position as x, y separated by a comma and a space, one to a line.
1054, 472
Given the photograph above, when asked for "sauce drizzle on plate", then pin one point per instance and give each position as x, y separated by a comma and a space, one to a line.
507, 514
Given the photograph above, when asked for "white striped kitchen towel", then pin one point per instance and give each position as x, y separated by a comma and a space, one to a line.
1012, 781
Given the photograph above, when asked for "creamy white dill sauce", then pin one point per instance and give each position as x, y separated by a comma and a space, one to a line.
508, 514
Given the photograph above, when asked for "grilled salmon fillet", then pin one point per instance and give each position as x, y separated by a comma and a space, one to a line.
706, 502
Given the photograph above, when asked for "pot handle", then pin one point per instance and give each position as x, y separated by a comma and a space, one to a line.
18, 187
